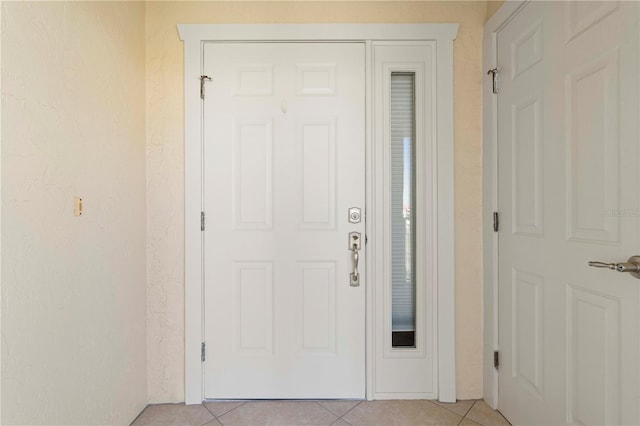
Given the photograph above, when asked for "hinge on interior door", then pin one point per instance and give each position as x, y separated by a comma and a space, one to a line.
202, 221
494, 75
203, 352
496, 359
496, 221
203, 78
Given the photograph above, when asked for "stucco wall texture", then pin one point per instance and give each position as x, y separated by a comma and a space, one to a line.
165, 173
73, 288
493, 6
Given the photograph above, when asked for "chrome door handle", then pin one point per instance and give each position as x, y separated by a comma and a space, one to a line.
632, 265
354, 246
356, 258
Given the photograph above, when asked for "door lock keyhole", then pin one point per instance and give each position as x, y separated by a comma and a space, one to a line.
354, 215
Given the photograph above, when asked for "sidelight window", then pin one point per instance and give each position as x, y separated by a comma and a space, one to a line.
403, 212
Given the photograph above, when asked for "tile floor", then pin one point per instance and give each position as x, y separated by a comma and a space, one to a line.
338, 413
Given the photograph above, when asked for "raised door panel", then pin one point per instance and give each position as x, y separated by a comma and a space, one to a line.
593, 155
527, 328
316, 299
252, 174
593, 367
253, 79
581, 16
316, 174
316, 79
526, 49
527, 167
253, 305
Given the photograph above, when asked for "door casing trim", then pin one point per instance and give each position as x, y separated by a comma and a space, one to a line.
194, 35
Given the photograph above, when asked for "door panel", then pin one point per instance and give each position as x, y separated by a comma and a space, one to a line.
283, 162
568, 152
252, 187
316, 174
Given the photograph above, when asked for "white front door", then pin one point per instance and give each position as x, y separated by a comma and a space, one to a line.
284, 139
568, 193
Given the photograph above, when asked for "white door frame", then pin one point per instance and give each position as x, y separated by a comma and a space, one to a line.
490, 197
194, 35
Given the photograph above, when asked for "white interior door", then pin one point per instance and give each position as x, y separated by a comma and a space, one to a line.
283, 163
568, 193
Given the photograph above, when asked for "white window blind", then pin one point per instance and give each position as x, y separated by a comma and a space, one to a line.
403, 183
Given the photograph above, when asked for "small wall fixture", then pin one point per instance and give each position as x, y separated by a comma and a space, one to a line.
77, 206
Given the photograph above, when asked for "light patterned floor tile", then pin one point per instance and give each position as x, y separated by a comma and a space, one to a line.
467, 422
458, 407
340, 422
280, 413
339, 407
485, 415
219, 408
213, 422
397, 412
173, 415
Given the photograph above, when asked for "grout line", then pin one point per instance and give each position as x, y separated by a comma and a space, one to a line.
464, 416
350, 410
326, 409
470, 407
234, 408
449, 410
336, 414
338, 419
207, 408
218, 418
467, 412
214, 418
482, 424
437, 404
505, 419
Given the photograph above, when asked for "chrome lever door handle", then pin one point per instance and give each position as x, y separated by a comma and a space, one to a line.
632, 265
597, 264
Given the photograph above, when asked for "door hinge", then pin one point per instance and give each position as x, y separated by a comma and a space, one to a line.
496, 359
494, 75
203, 78
496, 221
203, 351
202, 221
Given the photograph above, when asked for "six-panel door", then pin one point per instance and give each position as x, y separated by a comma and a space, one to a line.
568, 148
283, 162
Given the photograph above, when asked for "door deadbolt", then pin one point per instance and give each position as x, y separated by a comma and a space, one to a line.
354, 215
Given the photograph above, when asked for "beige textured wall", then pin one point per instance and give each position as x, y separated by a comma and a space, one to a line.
73, 288
165, 174
493, 6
